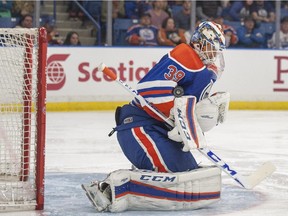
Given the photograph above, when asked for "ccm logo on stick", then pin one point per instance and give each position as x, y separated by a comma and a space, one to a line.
183, 125
221, 163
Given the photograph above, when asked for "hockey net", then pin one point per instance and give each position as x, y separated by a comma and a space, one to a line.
22, 118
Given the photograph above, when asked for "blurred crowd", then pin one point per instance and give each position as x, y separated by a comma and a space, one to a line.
23, 11
248, 23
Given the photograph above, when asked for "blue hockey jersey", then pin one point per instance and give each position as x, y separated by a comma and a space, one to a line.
148, 33
180, 67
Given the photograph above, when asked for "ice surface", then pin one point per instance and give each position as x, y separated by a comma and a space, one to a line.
78, 150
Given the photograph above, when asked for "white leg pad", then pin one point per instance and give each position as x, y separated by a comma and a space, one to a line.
147, 190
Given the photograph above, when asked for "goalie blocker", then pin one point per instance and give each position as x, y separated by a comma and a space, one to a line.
147, 190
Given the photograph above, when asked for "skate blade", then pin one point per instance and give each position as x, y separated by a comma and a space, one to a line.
89, 195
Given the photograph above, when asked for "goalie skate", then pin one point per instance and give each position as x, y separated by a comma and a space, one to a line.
98, 198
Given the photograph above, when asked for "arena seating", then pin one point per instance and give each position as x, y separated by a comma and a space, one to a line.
8, 22
120, 27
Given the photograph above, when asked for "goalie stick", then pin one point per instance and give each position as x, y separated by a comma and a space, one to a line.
247, 181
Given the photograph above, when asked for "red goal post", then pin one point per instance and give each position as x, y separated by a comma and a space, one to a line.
23, 54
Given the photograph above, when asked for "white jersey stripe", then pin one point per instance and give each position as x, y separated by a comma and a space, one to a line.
188, 69
143, 147
146, 150
160, 100
158, 83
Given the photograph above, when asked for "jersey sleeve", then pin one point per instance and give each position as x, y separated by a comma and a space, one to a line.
201, 84
132, 34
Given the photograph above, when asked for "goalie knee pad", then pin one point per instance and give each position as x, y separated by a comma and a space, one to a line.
148, 190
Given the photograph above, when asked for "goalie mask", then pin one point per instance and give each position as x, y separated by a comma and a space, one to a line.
208, 41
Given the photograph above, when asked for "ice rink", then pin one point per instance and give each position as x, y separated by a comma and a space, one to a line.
78, 150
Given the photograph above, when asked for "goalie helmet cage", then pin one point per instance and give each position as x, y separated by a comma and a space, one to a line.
23, 55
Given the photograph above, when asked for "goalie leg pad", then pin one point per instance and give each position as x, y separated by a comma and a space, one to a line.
148, 190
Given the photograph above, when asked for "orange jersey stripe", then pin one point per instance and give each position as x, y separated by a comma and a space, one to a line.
153, 92
186, 56
163, 108
150, 149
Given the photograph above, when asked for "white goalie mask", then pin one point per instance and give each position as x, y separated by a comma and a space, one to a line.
208, 41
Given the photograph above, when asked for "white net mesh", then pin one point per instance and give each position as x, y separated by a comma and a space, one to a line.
18, 126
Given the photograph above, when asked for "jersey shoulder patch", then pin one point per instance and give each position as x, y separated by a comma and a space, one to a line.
187, 57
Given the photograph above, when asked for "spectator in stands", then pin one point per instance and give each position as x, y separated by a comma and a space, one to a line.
208, 10
182, 18
134, 9
263, 11
240, 9
283, 35
72, 39
26, 21
143, 34
158, 14
21, 8
73, 11
170, 35
167, 7
284, 9
249, 36
53, 37
5, 8
231, 38
226, 5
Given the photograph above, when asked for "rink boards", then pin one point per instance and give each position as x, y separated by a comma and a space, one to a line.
256, 79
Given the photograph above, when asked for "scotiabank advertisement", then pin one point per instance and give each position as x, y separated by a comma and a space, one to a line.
73, 75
